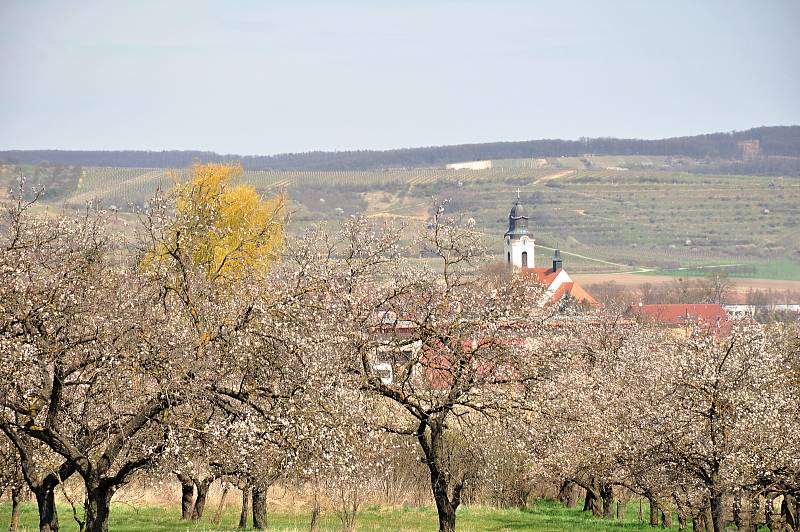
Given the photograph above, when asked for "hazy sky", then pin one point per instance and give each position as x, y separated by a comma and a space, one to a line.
259, 77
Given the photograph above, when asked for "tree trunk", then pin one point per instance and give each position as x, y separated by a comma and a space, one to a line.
315, 510
666, 519
681, 519
797, 512
15, 502
592, 501
738, 512
187, 496
445, 508
46, 502
607, 496
98, 501
447, 514
434, 449
348, 507
769, 511
749, 510
680, 508
621, 510
200, 501
701, 521
788, 509
259, 508
697, 522
653, 510
717, 510
708, 521
245, 507
567, 494
754, 513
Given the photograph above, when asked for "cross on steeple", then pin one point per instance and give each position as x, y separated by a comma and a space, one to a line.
517, 193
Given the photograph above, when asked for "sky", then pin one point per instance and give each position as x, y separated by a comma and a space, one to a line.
266, 77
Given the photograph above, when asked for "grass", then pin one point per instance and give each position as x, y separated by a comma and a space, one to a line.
769, 268
543, 516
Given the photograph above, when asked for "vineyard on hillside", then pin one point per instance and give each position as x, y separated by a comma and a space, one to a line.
133, 186
608, 218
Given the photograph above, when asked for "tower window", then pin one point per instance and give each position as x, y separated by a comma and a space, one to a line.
509, 257
524, 259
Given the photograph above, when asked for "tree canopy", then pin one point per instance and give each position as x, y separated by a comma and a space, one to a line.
224, 226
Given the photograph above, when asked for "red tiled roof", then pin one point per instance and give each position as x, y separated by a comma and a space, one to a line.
546, 276
541, 275
680, 314
577, 292
562, 290
439, 370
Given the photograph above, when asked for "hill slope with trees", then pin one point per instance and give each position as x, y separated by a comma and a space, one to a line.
774, 142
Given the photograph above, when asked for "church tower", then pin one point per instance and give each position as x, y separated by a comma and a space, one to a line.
518, 249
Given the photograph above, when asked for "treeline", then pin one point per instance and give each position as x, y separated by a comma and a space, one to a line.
774, 141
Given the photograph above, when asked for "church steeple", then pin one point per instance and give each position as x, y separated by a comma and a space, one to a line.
517, 220
519, 246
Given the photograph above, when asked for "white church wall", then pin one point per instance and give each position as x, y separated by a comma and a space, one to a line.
516, 248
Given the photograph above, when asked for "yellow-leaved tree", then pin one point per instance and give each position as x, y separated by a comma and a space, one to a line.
224, 226
200, 245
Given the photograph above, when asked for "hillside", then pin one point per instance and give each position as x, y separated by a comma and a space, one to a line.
775, 145
620, 214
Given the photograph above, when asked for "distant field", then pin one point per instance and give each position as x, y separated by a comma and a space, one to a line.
605, 219
544, 516
633, 280
768, 268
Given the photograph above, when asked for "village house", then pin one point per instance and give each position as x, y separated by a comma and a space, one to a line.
680, 314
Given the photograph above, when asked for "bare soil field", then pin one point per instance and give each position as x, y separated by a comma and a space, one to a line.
632, 279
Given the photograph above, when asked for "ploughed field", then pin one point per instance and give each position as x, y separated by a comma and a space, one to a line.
609, 219
543, 516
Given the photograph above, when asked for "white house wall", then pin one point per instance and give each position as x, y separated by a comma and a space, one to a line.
561, 278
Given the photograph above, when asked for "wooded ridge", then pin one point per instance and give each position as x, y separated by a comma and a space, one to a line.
775, 141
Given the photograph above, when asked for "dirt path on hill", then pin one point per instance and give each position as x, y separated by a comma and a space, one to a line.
633, 279
553, 176
380, 209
